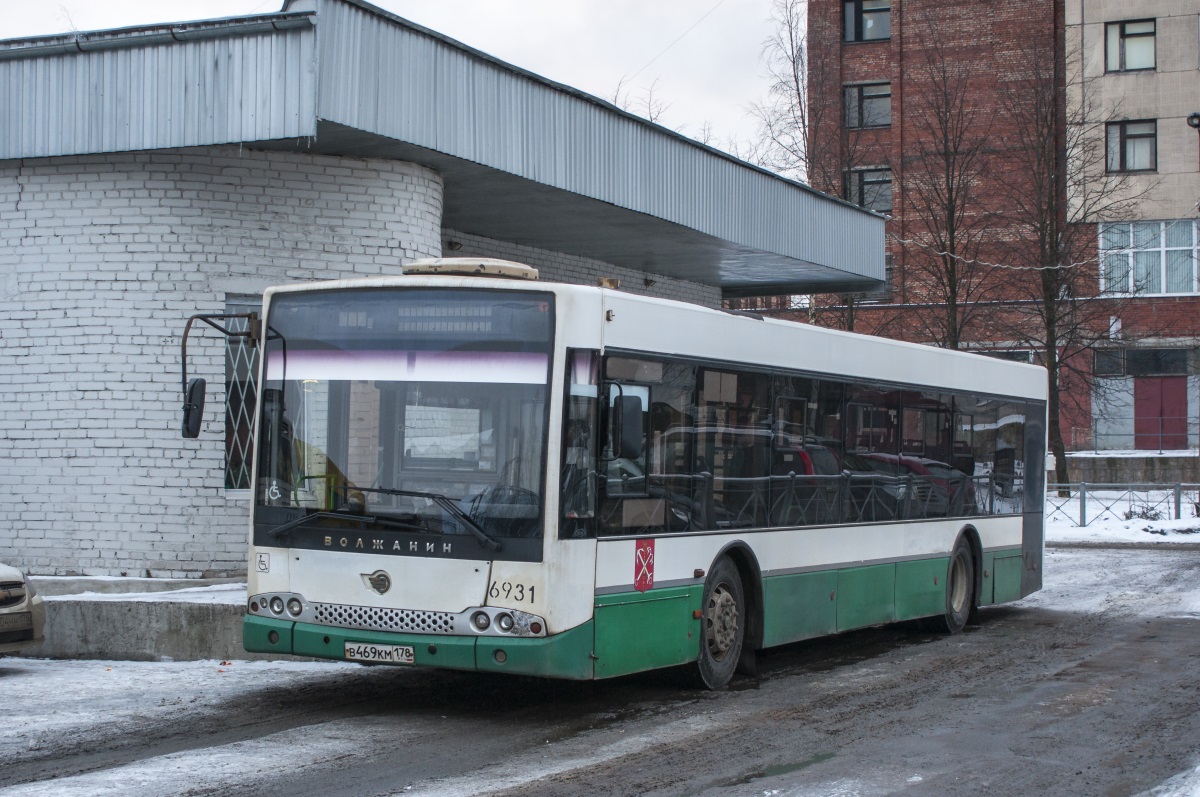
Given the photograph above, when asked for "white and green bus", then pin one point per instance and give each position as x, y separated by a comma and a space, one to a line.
463, 467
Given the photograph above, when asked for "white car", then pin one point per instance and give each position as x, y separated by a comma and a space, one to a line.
22, 613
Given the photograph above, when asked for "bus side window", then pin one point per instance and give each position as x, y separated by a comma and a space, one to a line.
628, 407
580, 428
962, 454
624, 506
652, 492
734, 447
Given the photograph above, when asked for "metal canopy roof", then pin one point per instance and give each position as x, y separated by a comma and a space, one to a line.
524, 159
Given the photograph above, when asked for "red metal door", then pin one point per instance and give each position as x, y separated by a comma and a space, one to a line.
1160, 412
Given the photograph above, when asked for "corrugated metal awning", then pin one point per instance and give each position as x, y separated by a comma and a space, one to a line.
524, 159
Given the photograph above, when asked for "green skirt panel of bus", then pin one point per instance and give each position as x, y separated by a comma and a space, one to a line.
1006, 576
806, 605
802, 606
637, 631
1001, 581
565, 655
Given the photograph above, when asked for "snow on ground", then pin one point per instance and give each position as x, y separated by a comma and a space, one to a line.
1131, 454
1186, 784
46, 701
219, 593
1123, 517
1115, 530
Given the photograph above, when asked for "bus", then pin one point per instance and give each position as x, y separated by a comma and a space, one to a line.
465, 467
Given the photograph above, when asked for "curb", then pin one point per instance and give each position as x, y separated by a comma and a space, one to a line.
1128, 546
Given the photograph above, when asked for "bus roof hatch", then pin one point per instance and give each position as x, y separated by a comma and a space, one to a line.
472, 267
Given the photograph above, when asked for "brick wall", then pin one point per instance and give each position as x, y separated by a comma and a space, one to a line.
101, 260
991, 46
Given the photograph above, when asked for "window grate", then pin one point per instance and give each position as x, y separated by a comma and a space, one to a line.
241, 393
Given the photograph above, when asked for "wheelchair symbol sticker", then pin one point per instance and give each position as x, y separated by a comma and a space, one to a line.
264, 563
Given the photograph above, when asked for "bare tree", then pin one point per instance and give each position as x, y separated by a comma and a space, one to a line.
649, 104
620, 95
858, 312
948, 223
1056, 189
802, 134
801, 119
653, 106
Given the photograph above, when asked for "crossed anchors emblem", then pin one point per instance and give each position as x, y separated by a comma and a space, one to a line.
643, 565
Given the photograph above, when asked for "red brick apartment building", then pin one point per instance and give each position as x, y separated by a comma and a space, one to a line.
1041, 176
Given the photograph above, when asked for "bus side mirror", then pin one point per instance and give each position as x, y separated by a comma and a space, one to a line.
193, 407
626, 427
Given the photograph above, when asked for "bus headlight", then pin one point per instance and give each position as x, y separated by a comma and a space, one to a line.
498, 621
284, 605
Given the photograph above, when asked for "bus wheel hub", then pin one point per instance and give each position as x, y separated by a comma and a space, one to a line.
722, 622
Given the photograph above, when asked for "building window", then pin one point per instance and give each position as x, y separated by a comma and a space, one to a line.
868, 20
1012, 355
1151, 257
1132, 146
241, 392
869, 105
1129, 46
871, 189
1141, 362
1108, 362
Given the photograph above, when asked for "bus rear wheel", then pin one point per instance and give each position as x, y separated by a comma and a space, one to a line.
960, 587
722, 624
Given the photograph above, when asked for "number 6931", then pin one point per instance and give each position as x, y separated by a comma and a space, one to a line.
512, 591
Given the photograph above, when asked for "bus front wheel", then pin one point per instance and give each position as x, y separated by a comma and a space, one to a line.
960, 587
723, 624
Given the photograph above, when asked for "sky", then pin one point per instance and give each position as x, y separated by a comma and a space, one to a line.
700, 58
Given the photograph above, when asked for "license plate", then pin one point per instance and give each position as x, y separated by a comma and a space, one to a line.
19, 621
384, 654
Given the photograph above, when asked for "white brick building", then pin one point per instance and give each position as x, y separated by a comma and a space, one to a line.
183, 169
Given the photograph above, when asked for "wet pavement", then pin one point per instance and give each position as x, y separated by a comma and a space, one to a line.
1090, 687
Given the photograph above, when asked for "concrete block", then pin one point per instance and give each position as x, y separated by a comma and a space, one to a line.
142, 631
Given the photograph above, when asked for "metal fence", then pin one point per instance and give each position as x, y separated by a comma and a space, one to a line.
1085, 503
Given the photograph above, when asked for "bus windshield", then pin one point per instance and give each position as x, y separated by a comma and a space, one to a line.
421, 411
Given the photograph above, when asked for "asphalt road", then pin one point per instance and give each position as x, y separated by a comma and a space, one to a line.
1091, 687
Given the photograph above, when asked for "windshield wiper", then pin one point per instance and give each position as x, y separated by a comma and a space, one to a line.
445, 503
300, 521
373, 520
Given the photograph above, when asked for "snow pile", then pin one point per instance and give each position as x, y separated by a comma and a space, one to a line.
233, 594
1123, 516
1113, 530
1186, 784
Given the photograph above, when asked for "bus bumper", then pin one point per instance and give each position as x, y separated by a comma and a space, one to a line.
565, 655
